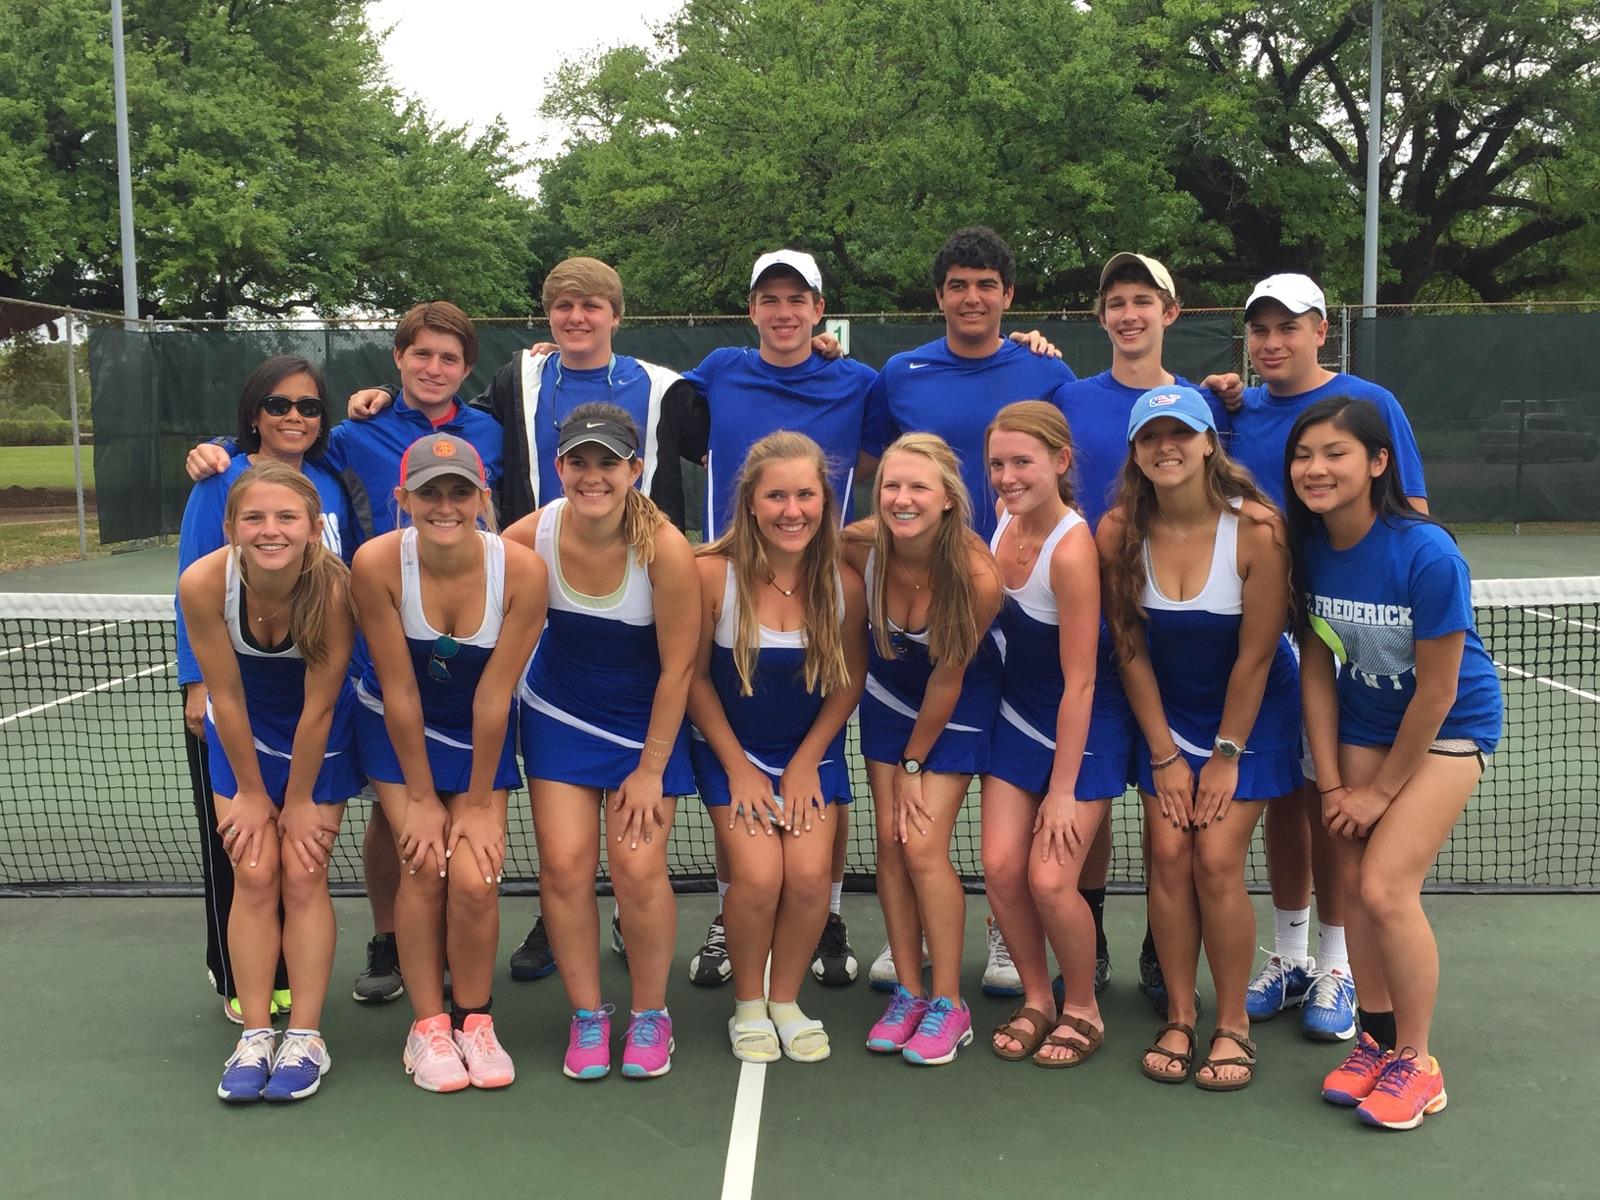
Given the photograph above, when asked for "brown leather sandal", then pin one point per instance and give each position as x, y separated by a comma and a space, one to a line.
1042, 1025
1093, 1039
1172, 1056
1248, 1061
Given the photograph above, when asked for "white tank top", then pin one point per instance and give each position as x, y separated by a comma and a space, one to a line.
1035, 596
494, 584
1223, 592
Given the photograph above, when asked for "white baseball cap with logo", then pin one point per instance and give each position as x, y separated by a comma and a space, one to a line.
1297, 293
797, 261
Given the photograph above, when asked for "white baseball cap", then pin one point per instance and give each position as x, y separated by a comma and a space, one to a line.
797, 261
1159, 275
1297, 293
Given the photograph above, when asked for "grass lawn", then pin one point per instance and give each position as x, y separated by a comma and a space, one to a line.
43, 466
40, 543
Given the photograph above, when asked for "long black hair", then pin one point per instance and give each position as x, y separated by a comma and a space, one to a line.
1364, 421
263, 382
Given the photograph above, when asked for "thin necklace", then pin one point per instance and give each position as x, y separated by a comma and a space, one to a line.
787, 591
904, 570
1183, 535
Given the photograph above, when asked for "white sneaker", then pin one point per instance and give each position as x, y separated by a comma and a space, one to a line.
1000, 976
488, 1065
431, 1057
882, 973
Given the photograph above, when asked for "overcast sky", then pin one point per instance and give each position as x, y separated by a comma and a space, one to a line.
468, 60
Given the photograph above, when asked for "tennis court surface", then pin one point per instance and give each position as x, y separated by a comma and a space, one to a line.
116, 1040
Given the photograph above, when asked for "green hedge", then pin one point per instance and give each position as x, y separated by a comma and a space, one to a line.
16, 431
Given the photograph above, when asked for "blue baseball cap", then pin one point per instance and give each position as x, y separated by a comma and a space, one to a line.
1180, 403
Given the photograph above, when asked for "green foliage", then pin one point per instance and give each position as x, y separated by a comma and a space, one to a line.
1224, 135
274, 169
28, 430
33, 377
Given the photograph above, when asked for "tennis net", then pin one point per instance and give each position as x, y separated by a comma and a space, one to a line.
95, 795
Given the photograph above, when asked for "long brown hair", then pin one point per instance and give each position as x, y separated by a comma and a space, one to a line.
953, 633
746, 552
1044, 423
323, 585
1124, 576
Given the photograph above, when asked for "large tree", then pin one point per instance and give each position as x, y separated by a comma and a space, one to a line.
273, 166
1229, 136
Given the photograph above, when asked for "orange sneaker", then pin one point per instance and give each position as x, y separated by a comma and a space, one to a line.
1405, 1093
1352, 1081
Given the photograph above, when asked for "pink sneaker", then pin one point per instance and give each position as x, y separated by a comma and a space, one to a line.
488, 1065
647, 1052
431, 1057
589, 1044
898, 1023
945, 1028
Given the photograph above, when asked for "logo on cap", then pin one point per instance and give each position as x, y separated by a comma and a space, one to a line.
1164, 399
444, 450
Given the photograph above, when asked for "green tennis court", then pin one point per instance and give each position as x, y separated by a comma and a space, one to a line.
118, 1097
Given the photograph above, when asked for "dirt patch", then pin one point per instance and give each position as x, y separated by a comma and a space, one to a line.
38, 498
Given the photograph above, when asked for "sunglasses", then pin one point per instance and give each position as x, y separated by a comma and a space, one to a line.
307, 406
445, 648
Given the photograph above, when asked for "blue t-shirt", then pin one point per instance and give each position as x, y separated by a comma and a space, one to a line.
933, 390
1403, 581
1261, 431
201, 532
748, 398
366, 455
623, 382
1097, 411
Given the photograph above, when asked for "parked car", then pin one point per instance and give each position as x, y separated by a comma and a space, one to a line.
1545, 437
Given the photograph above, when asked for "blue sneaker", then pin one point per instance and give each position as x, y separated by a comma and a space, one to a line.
298, 1068
245, 1075
1281, 983
1153, 984
1330, 1011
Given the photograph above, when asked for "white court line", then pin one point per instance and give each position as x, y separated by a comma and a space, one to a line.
60, 637
739, 1173
1521, 674
99, 687
1550, 616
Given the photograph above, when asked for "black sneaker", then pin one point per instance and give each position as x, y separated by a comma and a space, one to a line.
534, 958
618, 946
710, 966
834, 964
380, 982
1153, 984
1102, 980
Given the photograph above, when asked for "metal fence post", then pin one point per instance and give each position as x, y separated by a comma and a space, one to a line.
77, 438
1344, 340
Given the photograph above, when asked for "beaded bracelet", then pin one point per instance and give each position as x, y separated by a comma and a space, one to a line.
1166, 762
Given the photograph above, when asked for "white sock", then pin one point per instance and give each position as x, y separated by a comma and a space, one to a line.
1290, 932
310, 1033
662, 1010
835, 898
1331, 954
255, 1033
722, 893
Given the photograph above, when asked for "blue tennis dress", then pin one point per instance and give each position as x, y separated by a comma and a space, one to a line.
274, 679
1193, 645
1023, 748
590, 688
447, 682
893, 697
771, 722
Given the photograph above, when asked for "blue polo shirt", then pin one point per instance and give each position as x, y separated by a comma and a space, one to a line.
1097, 411
366, 455
934, 390
1261, 431
748, 398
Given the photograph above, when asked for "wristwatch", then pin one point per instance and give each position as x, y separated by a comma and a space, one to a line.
911, 766
1229, 749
